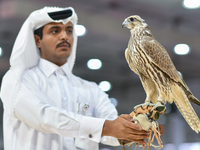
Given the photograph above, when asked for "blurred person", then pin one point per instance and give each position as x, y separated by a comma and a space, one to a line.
46, 107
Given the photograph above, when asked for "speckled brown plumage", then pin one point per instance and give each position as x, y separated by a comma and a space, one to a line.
159, 77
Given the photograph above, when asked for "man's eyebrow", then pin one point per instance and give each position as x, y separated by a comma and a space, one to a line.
69, 27
54, 27
57, 27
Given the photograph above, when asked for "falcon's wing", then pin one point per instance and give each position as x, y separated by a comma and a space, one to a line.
159, 57
129, 60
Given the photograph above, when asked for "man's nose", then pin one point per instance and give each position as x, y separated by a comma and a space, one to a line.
64, 35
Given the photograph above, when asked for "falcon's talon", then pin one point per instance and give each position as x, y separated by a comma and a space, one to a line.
162, 103
158, 104
144, 104
148, 114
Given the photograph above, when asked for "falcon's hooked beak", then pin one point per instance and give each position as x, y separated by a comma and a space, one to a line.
125, 23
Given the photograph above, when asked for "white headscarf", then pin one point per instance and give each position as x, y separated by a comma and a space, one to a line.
25, 53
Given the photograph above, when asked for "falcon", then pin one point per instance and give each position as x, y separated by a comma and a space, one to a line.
160, 79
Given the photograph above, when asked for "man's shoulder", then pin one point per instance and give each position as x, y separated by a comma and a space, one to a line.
32, 72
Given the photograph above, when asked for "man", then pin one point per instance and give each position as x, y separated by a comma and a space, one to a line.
46, 107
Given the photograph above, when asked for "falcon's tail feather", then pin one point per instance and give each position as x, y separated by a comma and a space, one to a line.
183, 104
194, 100
189, 94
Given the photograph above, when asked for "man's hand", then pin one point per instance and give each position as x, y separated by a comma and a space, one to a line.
124, 128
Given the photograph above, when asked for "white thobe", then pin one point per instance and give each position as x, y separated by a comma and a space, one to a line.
56, 110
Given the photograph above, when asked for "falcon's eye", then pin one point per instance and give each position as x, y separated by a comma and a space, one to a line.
131, 19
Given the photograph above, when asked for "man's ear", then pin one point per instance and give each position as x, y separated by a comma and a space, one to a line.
37, 40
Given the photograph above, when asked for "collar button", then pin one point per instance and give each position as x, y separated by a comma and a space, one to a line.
90, 136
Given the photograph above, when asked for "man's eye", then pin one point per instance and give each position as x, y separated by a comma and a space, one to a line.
69, 31
54, 31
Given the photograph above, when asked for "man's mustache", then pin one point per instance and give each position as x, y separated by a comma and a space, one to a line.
63, 42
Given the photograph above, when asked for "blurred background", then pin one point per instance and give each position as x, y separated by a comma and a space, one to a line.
101, 45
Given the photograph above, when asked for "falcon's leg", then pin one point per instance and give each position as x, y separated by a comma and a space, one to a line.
150, 90
159, 102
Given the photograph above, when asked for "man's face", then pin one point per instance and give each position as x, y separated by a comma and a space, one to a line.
56, 43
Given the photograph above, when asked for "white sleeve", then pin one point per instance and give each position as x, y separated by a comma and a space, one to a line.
31, 107
105, 109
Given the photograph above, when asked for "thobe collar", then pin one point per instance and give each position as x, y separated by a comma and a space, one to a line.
49, 68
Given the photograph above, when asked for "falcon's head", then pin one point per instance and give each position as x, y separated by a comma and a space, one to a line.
133, 21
